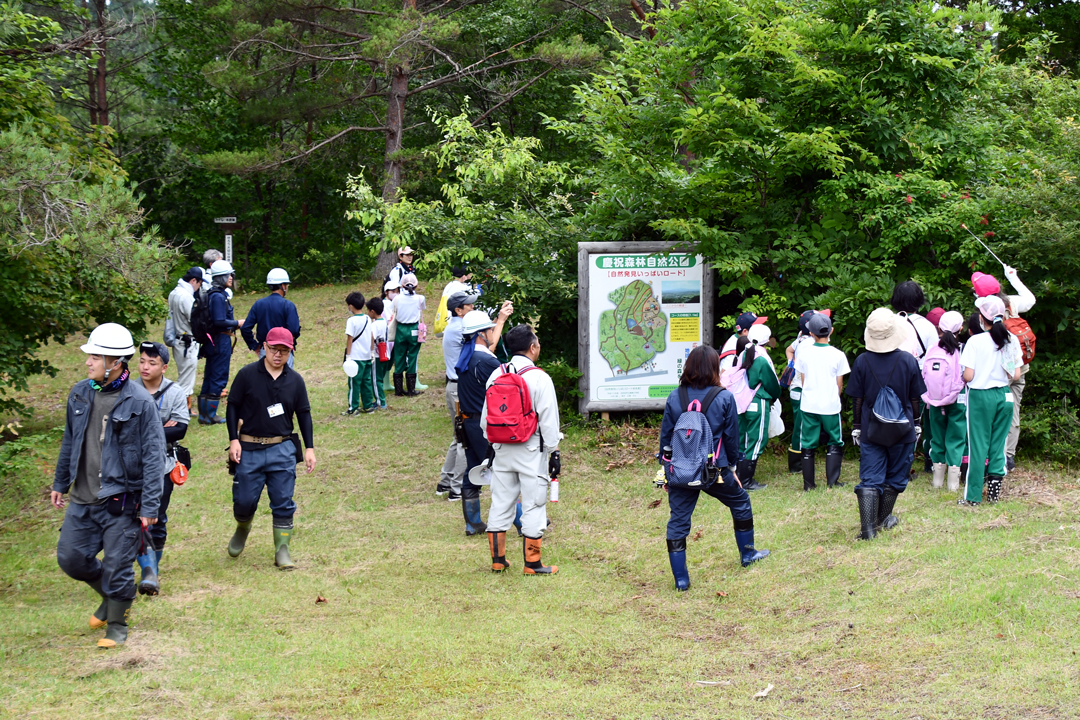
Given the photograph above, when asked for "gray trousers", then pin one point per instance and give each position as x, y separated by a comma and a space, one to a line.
89, 529
187, 363
507, 484
1016, 387
453, 469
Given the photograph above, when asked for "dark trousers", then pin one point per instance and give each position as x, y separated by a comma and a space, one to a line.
89, 529
216, 371
160, 531
273, 466
474, 455
881, 467
682, 502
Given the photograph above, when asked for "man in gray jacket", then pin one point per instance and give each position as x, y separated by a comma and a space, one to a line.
185, 349
112, 460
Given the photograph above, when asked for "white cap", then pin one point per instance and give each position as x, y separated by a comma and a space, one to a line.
409, 281
405, 251
221, 267
392, 284
759, 334
277, 276
110, 339
475, 321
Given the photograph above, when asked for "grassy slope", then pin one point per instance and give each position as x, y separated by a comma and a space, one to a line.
955, 614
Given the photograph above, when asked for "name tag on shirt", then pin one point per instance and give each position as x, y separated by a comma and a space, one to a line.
275, 410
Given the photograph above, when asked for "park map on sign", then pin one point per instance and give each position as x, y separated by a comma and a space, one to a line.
634, 332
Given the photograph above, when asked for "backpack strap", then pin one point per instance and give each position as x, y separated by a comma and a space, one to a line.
917, 336
703, 405
709, 397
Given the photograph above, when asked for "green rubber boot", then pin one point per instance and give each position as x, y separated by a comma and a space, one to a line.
116, 633
281, 548
239, 538
101, 615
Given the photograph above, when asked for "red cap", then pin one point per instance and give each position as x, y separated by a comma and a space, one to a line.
280, 336
985, 284
826, 312
934, 316
761, 320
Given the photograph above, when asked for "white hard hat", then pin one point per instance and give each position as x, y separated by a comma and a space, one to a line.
475, 321
350, 367
110, 339
392, 285
759, 334
221, 267
277, 276
481, 474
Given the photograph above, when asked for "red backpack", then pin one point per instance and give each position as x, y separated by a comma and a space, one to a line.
510, 414
1022, 331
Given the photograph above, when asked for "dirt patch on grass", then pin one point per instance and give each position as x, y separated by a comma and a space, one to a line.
144, 650
1032, 487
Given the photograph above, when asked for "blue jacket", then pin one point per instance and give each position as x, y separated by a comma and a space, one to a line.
221, 314
268, 313
723, 418
134, 441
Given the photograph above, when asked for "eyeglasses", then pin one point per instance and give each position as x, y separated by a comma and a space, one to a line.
278, 351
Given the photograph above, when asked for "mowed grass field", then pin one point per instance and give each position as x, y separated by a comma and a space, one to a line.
955, 614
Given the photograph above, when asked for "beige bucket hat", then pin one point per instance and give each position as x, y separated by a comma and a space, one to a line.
885, 331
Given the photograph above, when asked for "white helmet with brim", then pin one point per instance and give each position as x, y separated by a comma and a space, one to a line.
110, 339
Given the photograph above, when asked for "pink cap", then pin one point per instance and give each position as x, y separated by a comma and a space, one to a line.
280, 336
985, 284
934, 316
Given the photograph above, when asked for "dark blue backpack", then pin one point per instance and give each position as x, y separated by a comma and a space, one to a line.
888, 424
692, 451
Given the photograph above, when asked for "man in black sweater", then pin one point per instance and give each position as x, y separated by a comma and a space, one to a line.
264, 397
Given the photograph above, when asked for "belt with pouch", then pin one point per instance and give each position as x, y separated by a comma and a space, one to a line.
276, 440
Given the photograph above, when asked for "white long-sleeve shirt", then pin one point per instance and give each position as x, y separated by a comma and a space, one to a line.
526, 457
1022, 302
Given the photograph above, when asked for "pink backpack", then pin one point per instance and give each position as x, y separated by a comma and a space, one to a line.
942, 375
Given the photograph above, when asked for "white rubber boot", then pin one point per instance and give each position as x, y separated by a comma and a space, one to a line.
939, 475
954, 478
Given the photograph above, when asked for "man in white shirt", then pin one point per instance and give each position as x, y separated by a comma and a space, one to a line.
524, 468
185, 349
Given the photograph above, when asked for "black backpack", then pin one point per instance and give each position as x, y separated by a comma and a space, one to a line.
202, 322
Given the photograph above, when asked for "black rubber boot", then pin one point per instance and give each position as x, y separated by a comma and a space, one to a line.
753, 484
470, 509
239, 538
886, 520
116, 633
869, 500
212, 404
410, 386
993, 488
928, 466
742, 469
834, 460
101, 615
794, 460
807, 462
399, 385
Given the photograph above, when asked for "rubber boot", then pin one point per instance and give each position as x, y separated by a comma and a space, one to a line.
676, 552
953, 479
117, 631
410, 386
886, 519
420, 387
869, 500
834, 460
470, 509
150, 584
1010, 463
938, 480
752, 484
399, 385
963, 471
212, 403
928, 465
517, 519
744, 539
497, 542
239, 538
794, 460
101, 616
281, 548
993, 488
807, 462
742, 469
533, 566
202, 411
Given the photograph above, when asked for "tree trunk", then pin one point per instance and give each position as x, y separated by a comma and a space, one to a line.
100, 45
395, 127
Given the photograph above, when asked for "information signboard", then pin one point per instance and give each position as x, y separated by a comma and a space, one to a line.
642, 307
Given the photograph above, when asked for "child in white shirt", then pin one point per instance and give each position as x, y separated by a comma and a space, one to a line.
821, 369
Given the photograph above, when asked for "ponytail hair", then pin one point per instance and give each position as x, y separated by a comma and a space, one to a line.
949, 342
741, 347
999, 333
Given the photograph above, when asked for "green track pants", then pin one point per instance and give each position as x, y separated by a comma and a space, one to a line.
989, 418
947, 426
